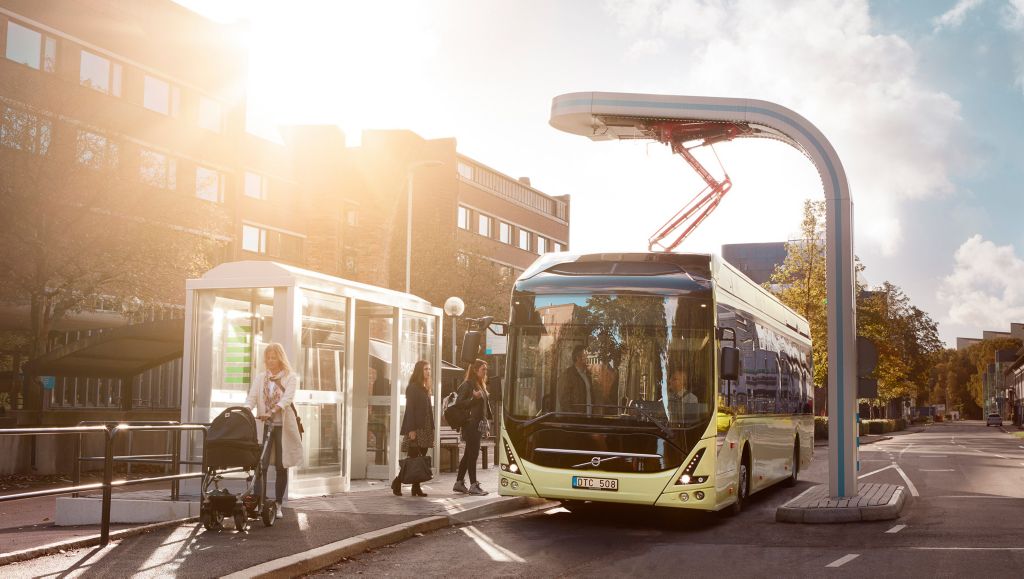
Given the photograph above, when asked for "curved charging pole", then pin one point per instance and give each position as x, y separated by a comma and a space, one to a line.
609, 116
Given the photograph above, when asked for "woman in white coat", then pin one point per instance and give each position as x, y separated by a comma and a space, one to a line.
271, 395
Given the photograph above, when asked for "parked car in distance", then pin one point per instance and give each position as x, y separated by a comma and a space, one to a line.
994, 420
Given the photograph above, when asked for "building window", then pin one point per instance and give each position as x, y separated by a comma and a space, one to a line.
211, 115
254, 239
209, 184
483, 226
31, 48
524, 240
100, 74
271, 243
463, 217
557, 247
160, 96
352, 218
96, 151
157, 169
542, 245
462, 259
24, 131
256, 185
465, 170
505, 232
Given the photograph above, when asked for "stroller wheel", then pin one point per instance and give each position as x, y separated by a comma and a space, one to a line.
213, 521
269, 513
241, 520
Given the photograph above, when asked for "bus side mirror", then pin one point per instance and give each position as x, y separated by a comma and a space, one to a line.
730, 367
471, 343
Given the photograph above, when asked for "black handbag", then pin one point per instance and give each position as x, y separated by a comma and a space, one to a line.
415, 470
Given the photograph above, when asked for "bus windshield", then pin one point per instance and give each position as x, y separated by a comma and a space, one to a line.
614, 356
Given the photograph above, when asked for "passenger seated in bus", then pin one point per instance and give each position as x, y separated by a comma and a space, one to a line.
574, 387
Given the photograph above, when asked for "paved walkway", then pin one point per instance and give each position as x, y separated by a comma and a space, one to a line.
309, 523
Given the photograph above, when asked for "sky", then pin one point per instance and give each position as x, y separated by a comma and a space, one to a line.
922, 100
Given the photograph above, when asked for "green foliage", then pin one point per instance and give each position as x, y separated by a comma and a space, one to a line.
906, 337
957, 376
800, 283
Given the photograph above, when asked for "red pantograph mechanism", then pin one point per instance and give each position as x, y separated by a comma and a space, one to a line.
676, 134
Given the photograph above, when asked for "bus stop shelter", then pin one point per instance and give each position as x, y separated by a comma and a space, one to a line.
353, 346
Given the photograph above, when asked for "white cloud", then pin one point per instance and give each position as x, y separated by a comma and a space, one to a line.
898, 138
1014, 14
984, 290
954, 17
646, 47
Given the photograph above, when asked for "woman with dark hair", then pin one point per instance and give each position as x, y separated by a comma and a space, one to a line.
418, 422
473, 398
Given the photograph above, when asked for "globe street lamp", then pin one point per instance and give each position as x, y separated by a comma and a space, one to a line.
410, 175
454, 307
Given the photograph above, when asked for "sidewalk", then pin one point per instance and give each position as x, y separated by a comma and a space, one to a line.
315, 529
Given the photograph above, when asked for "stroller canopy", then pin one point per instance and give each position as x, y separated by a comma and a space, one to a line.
231, 441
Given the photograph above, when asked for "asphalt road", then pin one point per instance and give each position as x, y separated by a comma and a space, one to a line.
964, 518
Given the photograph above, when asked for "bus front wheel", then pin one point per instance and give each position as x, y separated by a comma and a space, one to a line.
742, 485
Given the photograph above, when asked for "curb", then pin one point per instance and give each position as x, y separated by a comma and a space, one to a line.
323, 556
890, 510
87, 541
862, 442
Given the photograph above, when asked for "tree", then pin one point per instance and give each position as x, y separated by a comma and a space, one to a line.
906, 338
800, 283
83, 218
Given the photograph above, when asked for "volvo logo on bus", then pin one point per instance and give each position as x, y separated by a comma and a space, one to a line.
595, 462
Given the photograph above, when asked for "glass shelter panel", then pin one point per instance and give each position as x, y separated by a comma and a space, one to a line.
379, 408
418, 342
320, 399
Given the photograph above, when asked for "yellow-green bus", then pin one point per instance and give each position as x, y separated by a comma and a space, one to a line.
652, 379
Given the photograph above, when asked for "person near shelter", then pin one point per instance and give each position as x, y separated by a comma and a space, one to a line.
472, 397
575, 386
418, 422
271, 395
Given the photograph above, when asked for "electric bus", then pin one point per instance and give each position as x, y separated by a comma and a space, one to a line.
652, 379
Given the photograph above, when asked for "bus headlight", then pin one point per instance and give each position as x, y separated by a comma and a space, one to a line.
511, 465
687, 476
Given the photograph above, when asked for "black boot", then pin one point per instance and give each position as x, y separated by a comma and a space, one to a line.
396, 487
417, 491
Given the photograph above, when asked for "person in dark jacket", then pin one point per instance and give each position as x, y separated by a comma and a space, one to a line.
473, 398
418, 422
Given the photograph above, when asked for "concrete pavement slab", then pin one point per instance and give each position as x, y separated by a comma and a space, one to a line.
873, 502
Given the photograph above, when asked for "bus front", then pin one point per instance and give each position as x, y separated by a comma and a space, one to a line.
610, 381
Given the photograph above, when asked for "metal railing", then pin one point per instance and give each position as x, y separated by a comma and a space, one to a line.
111, 432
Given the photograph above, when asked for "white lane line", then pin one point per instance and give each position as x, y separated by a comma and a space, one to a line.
910, 485
843, 560
937, 469
877, 471
896, 529
493, 550
933, 456
905, 449
975, 497
968, 548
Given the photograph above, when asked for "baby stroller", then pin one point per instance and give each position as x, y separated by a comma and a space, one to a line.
231, 446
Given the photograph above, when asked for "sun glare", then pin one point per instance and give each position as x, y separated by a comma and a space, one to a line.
353, 64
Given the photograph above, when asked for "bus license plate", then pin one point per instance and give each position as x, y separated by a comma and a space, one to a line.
600, 484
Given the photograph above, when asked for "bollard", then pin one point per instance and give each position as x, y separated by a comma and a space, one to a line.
108, 478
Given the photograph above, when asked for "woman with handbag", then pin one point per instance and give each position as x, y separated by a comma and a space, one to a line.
472, 397
271, 394
417, 426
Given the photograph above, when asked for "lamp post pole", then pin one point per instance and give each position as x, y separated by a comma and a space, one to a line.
410, 178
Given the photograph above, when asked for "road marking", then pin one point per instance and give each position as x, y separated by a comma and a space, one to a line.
933, 456
495, 551
843, 560
975, 497
937, 469
905, 449
896, 529
910, 485
876, 471
556, 510
968, 548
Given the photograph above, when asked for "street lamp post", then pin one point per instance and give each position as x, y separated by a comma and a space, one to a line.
454, 307
410, 176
